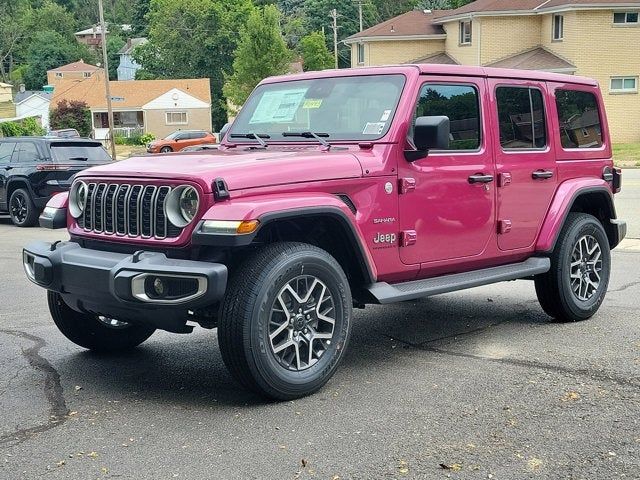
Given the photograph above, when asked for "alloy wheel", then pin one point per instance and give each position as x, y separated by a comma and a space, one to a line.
301, 323
586, 266
19, 208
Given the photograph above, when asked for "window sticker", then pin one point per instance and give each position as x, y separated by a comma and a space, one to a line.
373, 128
312, 103
278, 106
385, 115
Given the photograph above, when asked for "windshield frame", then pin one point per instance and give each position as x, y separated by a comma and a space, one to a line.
298, 79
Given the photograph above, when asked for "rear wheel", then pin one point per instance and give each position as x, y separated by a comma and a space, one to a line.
95, 332
286, 319
21, 209
575, 286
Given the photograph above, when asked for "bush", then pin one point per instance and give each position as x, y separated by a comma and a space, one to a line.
134, 139
147, 138
26, 127
74, 114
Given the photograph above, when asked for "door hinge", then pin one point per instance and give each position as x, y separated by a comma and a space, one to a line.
408, 238
504, 179
504, 226
407, 185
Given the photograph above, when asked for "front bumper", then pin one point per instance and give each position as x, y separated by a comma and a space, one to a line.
115, 284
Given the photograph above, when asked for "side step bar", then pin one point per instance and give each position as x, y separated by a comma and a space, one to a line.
386, 293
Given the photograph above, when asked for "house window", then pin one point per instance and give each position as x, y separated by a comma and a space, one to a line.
558, 27
623, 85
521, 118
176, 118
59, 75
579, 119
86, 74
465, 33
360, 53
625, 18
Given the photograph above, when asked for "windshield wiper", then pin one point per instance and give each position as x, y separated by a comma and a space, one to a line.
257, 136
84, 159
317, 136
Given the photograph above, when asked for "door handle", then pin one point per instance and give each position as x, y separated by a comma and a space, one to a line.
8, 167
480, 178
542, 174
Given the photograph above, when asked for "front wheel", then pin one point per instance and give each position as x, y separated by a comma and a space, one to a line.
95, 332
285, 321
575, 286
166, 150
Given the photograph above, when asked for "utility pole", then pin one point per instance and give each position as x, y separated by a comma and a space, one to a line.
106, 79
334, 26
360, 4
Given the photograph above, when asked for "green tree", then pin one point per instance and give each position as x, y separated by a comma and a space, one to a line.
73, 114
12, 34
315, 55
53, 17
261, 53
114, 45
49, 50
139, 24
194, 39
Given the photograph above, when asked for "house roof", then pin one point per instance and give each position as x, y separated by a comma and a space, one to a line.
441, 58
78, 66
22, 96
412, 23
587, 119
128, 93
98, 30
538, 58
131, 44
497, 7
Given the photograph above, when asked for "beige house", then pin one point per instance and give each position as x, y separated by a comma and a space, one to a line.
73, 71
7, 107
141, 106
595, 38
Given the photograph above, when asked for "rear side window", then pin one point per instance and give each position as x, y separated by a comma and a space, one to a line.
68, 151
6, 149
579, 119
521, 118
27, 153
198, 135
460, 104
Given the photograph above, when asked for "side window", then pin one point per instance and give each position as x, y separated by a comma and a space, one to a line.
27, 153
199, 135
579, 119
459, 103
521, 118
6, 149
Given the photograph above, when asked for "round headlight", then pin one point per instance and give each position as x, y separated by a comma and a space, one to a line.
78, 198
182, 205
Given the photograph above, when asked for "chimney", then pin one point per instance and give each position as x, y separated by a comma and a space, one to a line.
21, 88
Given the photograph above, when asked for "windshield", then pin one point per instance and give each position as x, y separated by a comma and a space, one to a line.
343, 108
172, 136
92, 152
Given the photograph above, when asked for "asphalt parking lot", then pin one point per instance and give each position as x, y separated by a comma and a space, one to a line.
475, 384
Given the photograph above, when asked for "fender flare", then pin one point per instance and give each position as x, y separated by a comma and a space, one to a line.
24, 181
271, 208
562, 203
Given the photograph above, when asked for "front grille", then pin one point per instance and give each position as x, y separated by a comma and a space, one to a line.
132, 210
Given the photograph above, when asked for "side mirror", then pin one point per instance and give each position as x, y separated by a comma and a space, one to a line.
223, 131
430, 133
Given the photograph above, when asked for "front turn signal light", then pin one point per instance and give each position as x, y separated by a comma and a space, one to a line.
230, 227
248, 226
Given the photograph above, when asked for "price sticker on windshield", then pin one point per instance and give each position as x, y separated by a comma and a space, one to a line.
310, 103
373, 128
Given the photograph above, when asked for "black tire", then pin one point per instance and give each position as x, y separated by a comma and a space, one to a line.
166, 149
87, 331
22, 210
554, 288
246, 320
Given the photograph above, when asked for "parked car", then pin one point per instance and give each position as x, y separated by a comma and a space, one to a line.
338, 189
180, 139
32, 169
64, 133
199, 148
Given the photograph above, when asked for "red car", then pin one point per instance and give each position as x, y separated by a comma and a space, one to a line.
176, 141
337, 189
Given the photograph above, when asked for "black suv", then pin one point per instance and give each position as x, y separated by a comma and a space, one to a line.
32, 169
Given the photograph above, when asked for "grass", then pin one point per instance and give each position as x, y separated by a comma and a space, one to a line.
626, 154
126, 151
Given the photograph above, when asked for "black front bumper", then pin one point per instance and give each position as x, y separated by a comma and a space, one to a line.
109, 283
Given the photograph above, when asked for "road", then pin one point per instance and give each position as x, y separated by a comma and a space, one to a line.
478, 381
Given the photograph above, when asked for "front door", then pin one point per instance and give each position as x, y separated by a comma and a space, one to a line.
447, 198
6, 150
525, 162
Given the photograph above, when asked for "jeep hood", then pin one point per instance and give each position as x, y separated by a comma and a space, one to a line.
240, 169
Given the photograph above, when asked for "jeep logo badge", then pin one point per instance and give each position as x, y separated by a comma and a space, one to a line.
389, 238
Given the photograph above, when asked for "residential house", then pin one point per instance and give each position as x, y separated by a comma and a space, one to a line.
128, 67
92, 36
73, 71
7, 107
33, 103
142, 106
593, 38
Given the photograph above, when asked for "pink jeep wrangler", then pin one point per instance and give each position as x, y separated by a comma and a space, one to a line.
337, 189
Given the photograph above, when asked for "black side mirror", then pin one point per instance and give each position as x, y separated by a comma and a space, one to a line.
223, 131
430, 133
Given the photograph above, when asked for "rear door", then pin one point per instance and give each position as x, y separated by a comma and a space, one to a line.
6, 150
447, 198
525, 160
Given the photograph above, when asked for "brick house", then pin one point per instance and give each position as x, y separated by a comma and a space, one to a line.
73, 71
594, 38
